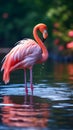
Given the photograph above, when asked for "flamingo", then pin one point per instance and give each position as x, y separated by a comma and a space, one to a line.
25, 54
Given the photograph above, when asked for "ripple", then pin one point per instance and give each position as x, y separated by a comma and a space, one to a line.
63, 105
49, 91
13, 128
59, 94
55, 94
61, 84
21, 111
2, 104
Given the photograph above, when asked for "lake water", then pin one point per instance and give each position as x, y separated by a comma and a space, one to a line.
50, 107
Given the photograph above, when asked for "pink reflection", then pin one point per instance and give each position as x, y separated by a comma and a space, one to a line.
63, 71
70, 71
58, 71
22, 112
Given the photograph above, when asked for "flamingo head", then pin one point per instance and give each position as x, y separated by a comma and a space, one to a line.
43, 30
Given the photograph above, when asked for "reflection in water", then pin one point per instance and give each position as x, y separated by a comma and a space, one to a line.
20, 111
70, 71
58, 71
61, 69
54, 85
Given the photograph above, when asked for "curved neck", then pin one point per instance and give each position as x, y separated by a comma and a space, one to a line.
41, 44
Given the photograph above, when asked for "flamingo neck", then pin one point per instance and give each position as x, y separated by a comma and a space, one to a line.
41, 44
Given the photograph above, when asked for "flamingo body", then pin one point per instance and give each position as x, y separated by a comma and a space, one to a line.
25, 54
22, 56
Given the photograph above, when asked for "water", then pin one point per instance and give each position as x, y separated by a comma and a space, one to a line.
50, 107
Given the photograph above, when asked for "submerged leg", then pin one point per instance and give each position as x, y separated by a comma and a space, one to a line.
26, 89
31, 84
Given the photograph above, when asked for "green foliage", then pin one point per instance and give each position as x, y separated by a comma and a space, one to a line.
18, 17
61, 15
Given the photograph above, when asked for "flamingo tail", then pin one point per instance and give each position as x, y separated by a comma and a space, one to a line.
6, 76
6, 69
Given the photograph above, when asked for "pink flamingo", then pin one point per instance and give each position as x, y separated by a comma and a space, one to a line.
25, 54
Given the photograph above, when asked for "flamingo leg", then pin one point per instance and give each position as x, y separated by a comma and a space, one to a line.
26, 89
31, 84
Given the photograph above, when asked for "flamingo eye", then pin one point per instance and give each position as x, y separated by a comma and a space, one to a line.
45, 34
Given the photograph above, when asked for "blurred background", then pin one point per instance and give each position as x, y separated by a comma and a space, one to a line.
18, 17
51, 106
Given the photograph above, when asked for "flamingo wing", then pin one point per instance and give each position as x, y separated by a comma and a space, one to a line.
24, 55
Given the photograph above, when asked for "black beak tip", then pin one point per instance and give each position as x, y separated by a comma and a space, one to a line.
43, 40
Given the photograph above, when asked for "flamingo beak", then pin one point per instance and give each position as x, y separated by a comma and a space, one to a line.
45, 35
43, 40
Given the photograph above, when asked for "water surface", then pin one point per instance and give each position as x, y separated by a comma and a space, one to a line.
50, 107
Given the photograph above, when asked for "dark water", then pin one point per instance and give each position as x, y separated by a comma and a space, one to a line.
50, 107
